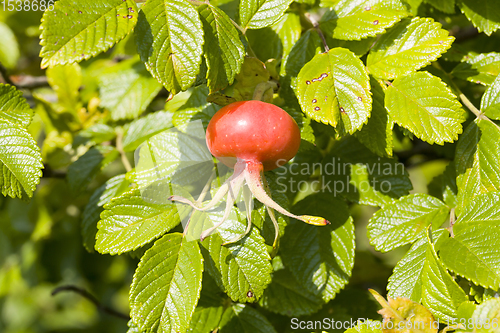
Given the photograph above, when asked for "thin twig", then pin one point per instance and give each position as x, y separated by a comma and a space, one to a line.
30, 82
90, 297
119, 147
5, 75
23, 81
318, 30
238, 26
48, 172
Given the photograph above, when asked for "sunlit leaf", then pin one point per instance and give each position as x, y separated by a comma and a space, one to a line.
473, 251
66, 81
13, 106
410, 45
424, 105
144, 128
129, 221
334, 88
440, 293
477, 161
484, 15
407, 278
242, 269
167, 285
479, 68
20, 161
169, 39
404, 220
255, 14
91, 214
354, 20
490, 103
126, 89
223, 49
486, 317
75, 30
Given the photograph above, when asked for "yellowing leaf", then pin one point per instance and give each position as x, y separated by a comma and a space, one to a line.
402, 315
253, 71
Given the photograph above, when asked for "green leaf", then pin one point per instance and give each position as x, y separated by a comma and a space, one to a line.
20, 161
473, 251
143, 128
440, 293
101, 196
408, 46
423, 104
301, 53
167, 285
353, 171
320, 258
94, 134
66, 81
208, 313
444, 186
377, 133
355, 20
223, 49
486, 317
82, 171
241, 269
126, 89
484, 15
13, 106
129, 222
289, 30
75, 30
490, 102
446, 6
407, 278
334, 88
169, 38
181, 157
404, 220
206, 319
479, 68
358, 47
9, 48
256, 14
413, 6
466, 310
244, 319
286, 296
477, 160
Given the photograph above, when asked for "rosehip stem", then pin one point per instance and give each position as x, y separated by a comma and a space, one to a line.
253, 173
221, 192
